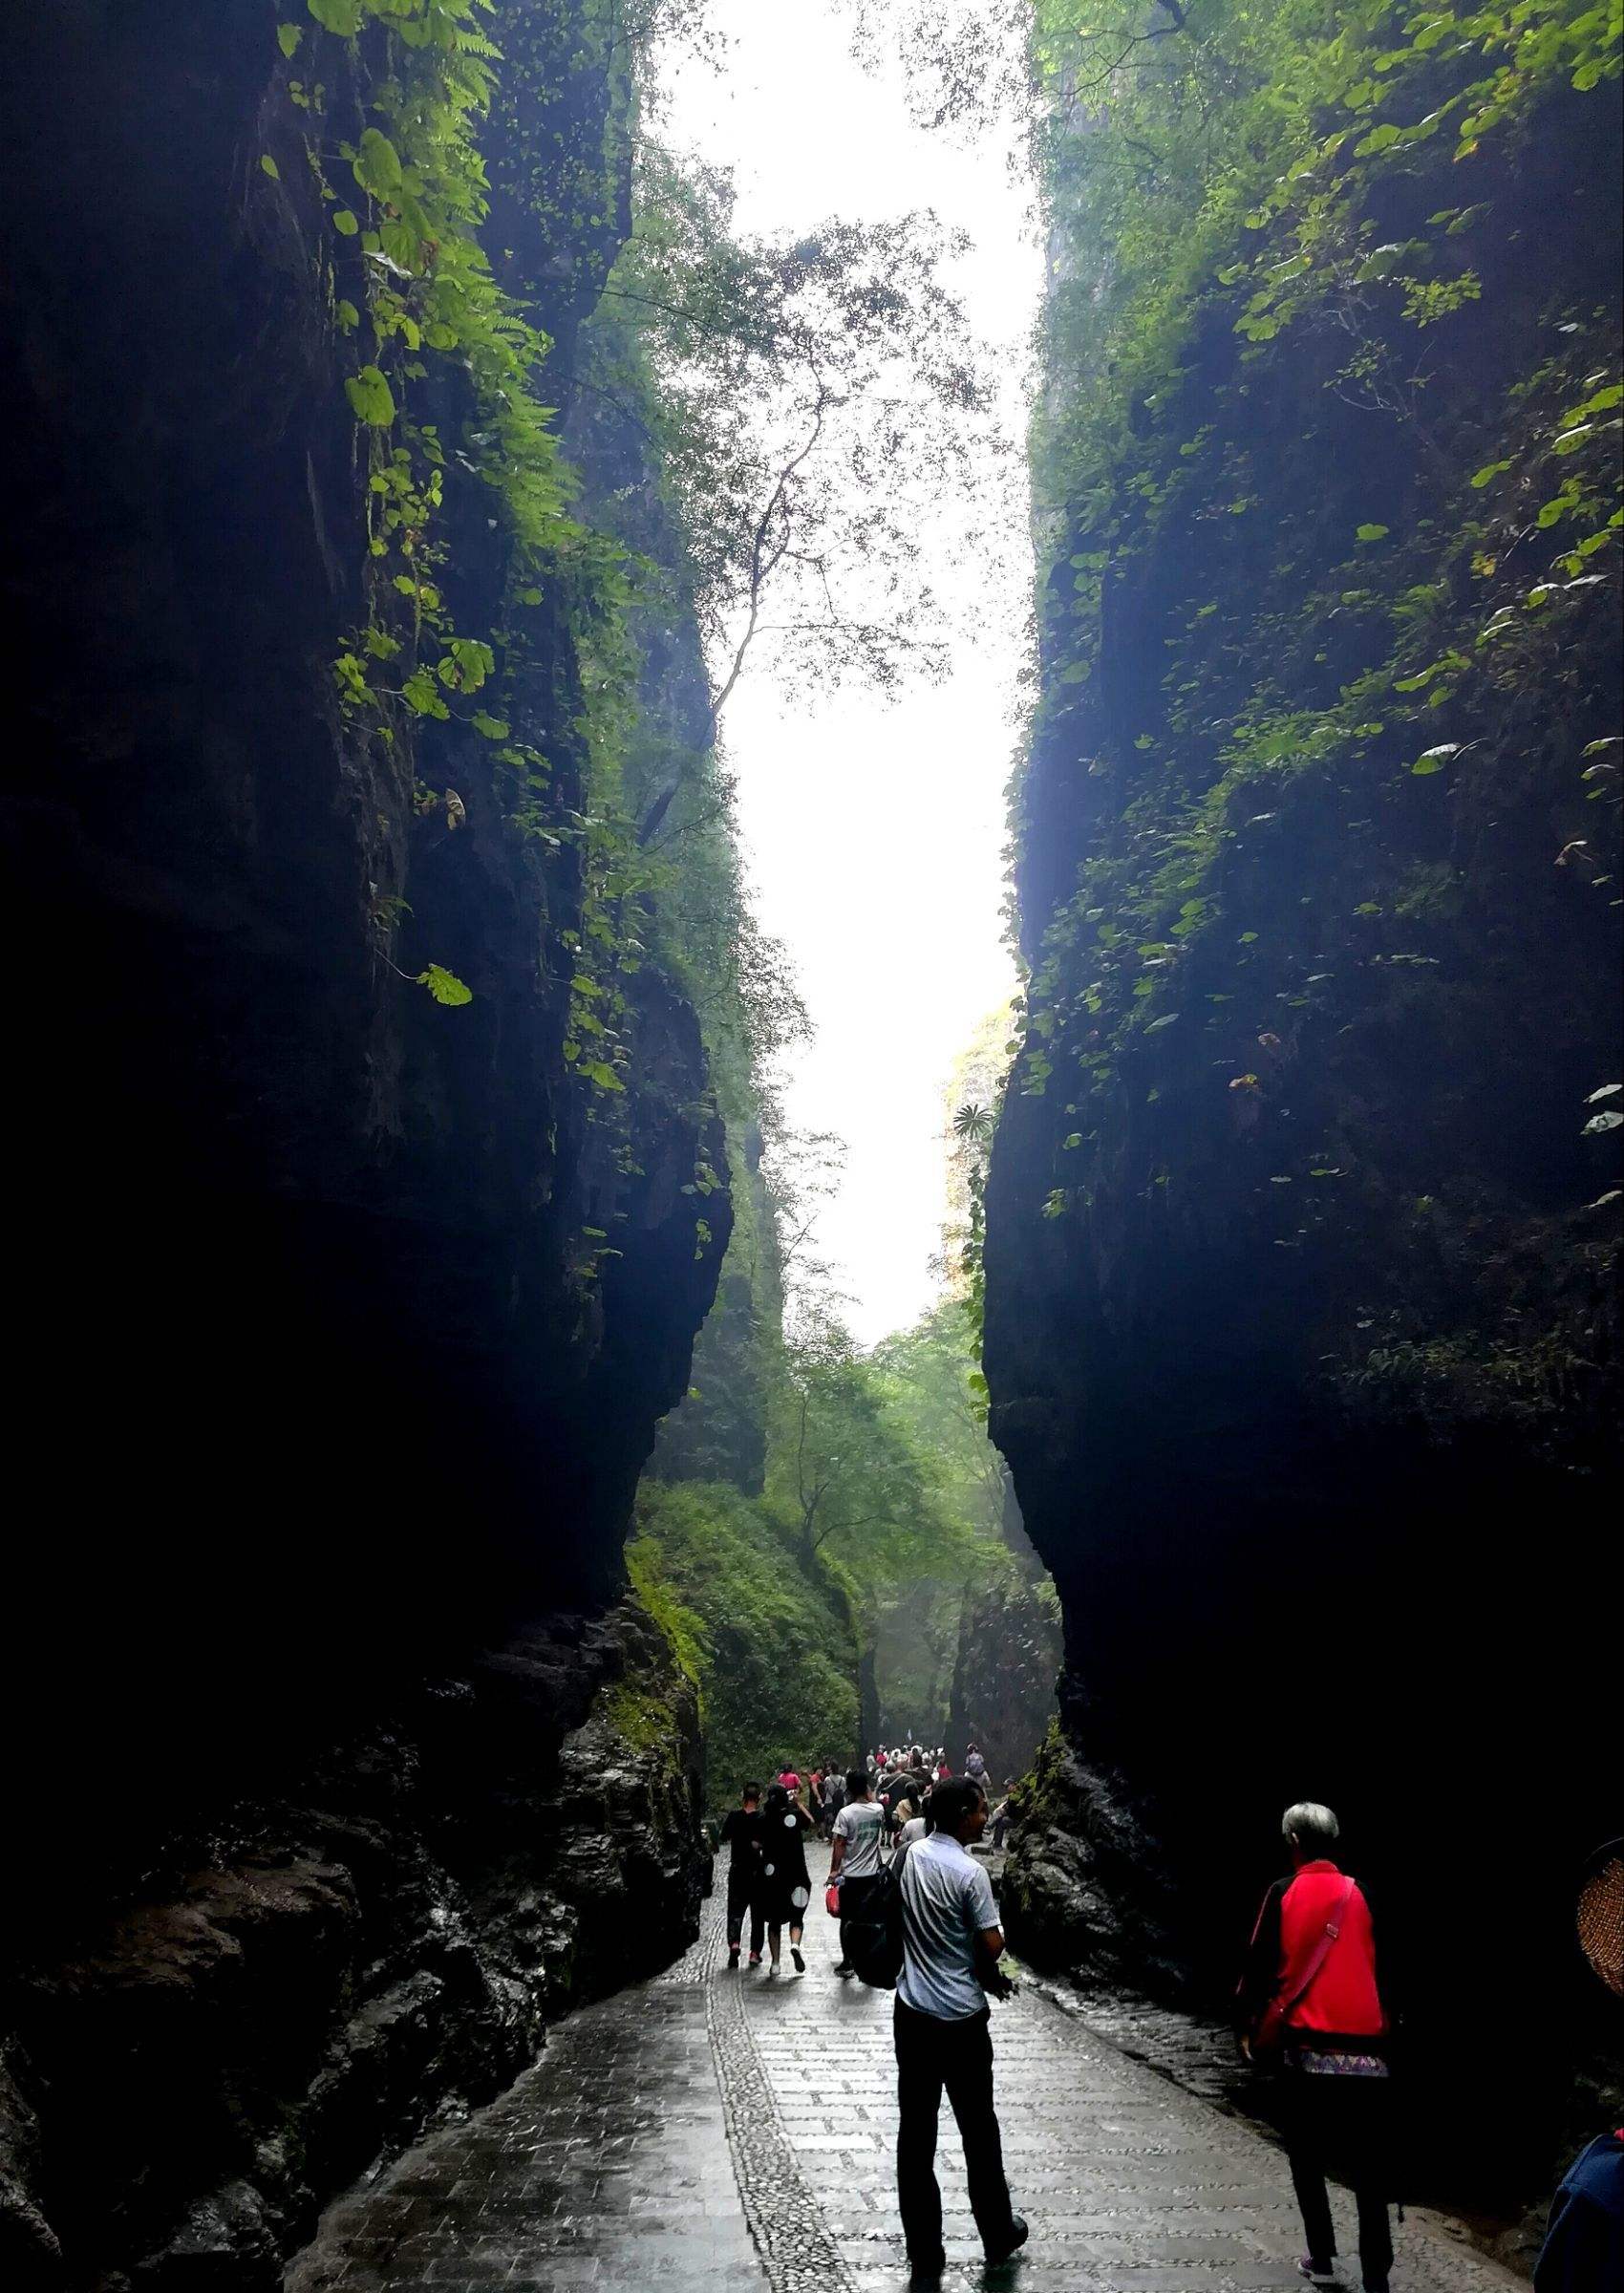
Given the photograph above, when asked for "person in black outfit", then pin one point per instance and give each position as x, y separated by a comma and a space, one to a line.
786, 1887
743, 1832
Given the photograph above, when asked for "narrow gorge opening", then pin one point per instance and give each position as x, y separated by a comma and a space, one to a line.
812, 838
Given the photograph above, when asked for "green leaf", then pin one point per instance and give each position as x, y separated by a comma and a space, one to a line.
1372, 533
444, 986
400, 243
1433, 760
1491, 469
422, 695
492, 727
378, 165
370, 397
342, 16
1602, 402
465, 665
346, 317
600, 1072
271, 167
347, 221
287, 38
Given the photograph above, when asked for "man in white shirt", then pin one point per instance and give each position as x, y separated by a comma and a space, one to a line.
943, 2038
854, 1861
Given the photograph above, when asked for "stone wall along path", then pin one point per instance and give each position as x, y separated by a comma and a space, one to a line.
708, 2133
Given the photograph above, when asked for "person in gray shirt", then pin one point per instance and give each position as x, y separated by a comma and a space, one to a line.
854, 1862
914, 1829
942, 2031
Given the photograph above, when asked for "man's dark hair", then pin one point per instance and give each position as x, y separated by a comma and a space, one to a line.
952, 1802
751, 1791
857, 1782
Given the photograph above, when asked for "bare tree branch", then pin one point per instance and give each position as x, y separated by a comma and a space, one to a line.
760, 569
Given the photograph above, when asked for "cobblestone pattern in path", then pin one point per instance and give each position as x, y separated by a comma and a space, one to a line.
727, 2131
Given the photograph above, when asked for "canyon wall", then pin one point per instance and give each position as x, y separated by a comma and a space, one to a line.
1304, 1207
1008, 1656
356, 1243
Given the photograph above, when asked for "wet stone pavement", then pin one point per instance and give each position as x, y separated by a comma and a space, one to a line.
717, 2131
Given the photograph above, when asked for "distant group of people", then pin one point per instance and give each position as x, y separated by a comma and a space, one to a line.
862, 1812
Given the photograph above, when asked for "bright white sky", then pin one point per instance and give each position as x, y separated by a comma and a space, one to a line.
874, 833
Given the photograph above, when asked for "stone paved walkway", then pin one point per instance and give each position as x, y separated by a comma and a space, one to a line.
708, 2133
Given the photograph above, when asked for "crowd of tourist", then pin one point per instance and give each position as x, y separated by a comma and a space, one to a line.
917, 1912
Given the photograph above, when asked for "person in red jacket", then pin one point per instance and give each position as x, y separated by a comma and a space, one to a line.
1309, 2000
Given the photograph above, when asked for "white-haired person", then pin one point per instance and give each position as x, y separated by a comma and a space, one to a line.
1309, 2001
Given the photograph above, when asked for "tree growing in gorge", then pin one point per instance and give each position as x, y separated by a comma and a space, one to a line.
821, 396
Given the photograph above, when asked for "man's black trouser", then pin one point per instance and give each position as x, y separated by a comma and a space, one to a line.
932, 2054
854, 1893
742, 1896
1340, 2125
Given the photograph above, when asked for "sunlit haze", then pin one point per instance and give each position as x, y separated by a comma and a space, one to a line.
874, 831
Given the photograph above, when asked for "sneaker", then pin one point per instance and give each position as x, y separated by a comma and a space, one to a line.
799, 1961
926, 2268
1376, 2285
1013, 2244
844, 1970
1322, 2273
754, 1958
733, 1958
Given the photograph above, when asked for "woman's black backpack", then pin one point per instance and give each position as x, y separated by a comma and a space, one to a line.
871, 1936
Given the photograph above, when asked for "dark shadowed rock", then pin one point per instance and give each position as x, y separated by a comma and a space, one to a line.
350, 1318
1302, 1248
373, 1954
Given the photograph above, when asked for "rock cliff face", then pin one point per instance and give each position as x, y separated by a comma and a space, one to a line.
349, 1316
378, 1948
1301, 1323
1009, 1655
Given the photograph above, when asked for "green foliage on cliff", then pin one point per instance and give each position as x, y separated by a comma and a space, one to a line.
771, 1646
1328, 483
872, 1512
395, 100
